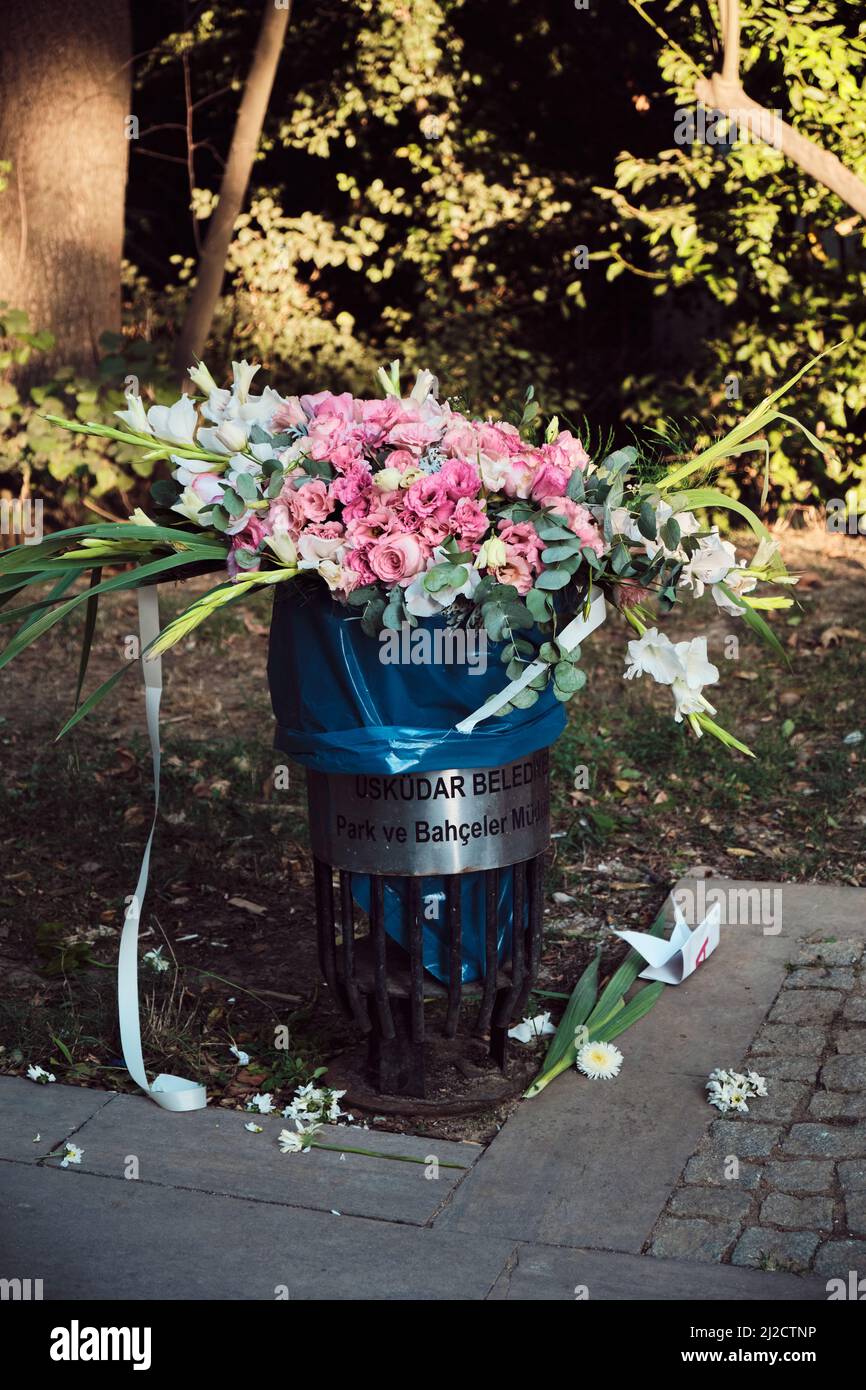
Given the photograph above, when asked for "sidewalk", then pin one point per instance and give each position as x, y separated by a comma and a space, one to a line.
606, 1191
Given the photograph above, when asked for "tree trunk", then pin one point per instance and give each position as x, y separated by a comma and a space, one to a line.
64, 99
248, 128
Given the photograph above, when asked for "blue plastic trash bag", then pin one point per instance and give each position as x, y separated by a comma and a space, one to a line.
340, 709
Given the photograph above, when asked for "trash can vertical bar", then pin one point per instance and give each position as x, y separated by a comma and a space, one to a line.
416, 962
380, 960
324, 890
491, 953
347, 926
455, 955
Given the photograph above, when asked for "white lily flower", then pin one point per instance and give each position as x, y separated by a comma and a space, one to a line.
135, 415
201, 377
175, 424
140, 518
531, 1028
697, 670
426, 384
282, 545
709, 564
239, 464
189, 504
654, 654
243, 373
739, 583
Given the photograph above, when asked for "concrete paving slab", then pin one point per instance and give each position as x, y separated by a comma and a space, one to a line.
90, 1237
545, 1273
51, 1110
586, 1164
210, 1151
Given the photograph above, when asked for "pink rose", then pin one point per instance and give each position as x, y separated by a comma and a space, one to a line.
396, 559
309, 502
208, 486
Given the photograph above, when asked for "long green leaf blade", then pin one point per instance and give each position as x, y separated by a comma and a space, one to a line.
634, 1010
576, 1012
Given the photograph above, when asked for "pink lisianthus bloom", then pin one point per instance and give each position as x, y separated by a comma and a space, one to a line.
355, 482
434, 529
289, 415
460, 439
332, 438
397, 559
550, 480
378, 417
580, 521
414, 435
499, 441
469, 522
511, 476
522, 538
253, 533
366, 530
326, 403
566, 452
427, 497
515, 571
460, 479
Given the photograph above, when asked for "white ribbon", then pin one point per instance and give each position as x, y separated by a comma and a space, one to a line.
170, 1092
571, 636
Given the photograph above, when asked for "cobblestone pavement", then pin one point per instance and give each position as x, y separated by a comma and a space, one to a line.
784, 1187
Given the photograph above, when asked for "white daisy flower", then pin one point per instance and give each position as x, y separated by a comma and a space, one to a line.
72, 1154
599, 1060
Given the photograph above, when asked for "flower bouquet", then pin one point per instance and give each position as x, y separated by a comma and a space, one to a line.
404, 508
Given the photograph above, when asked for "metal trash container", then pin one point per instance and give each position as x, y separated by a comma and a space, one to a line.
479, 835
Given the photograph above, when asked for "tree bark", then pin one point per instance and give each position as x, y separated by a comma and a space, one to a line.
724, 92
64, 98
236, 177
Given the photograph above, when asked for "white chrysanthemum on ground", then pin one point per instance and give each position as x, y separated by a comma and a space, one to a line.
72, 1154
40, 1074
599, 1060
731, 1090
253, 1128
262, 1104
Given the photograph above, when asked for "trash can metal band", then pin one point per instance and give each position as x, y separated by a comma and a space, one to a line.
451, 822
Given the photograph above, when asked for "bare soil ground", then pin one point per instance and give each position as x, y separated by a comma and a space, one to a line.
636, 803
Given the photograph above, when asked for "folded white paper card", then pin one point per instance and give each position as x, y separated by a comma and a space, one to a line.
675, 960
